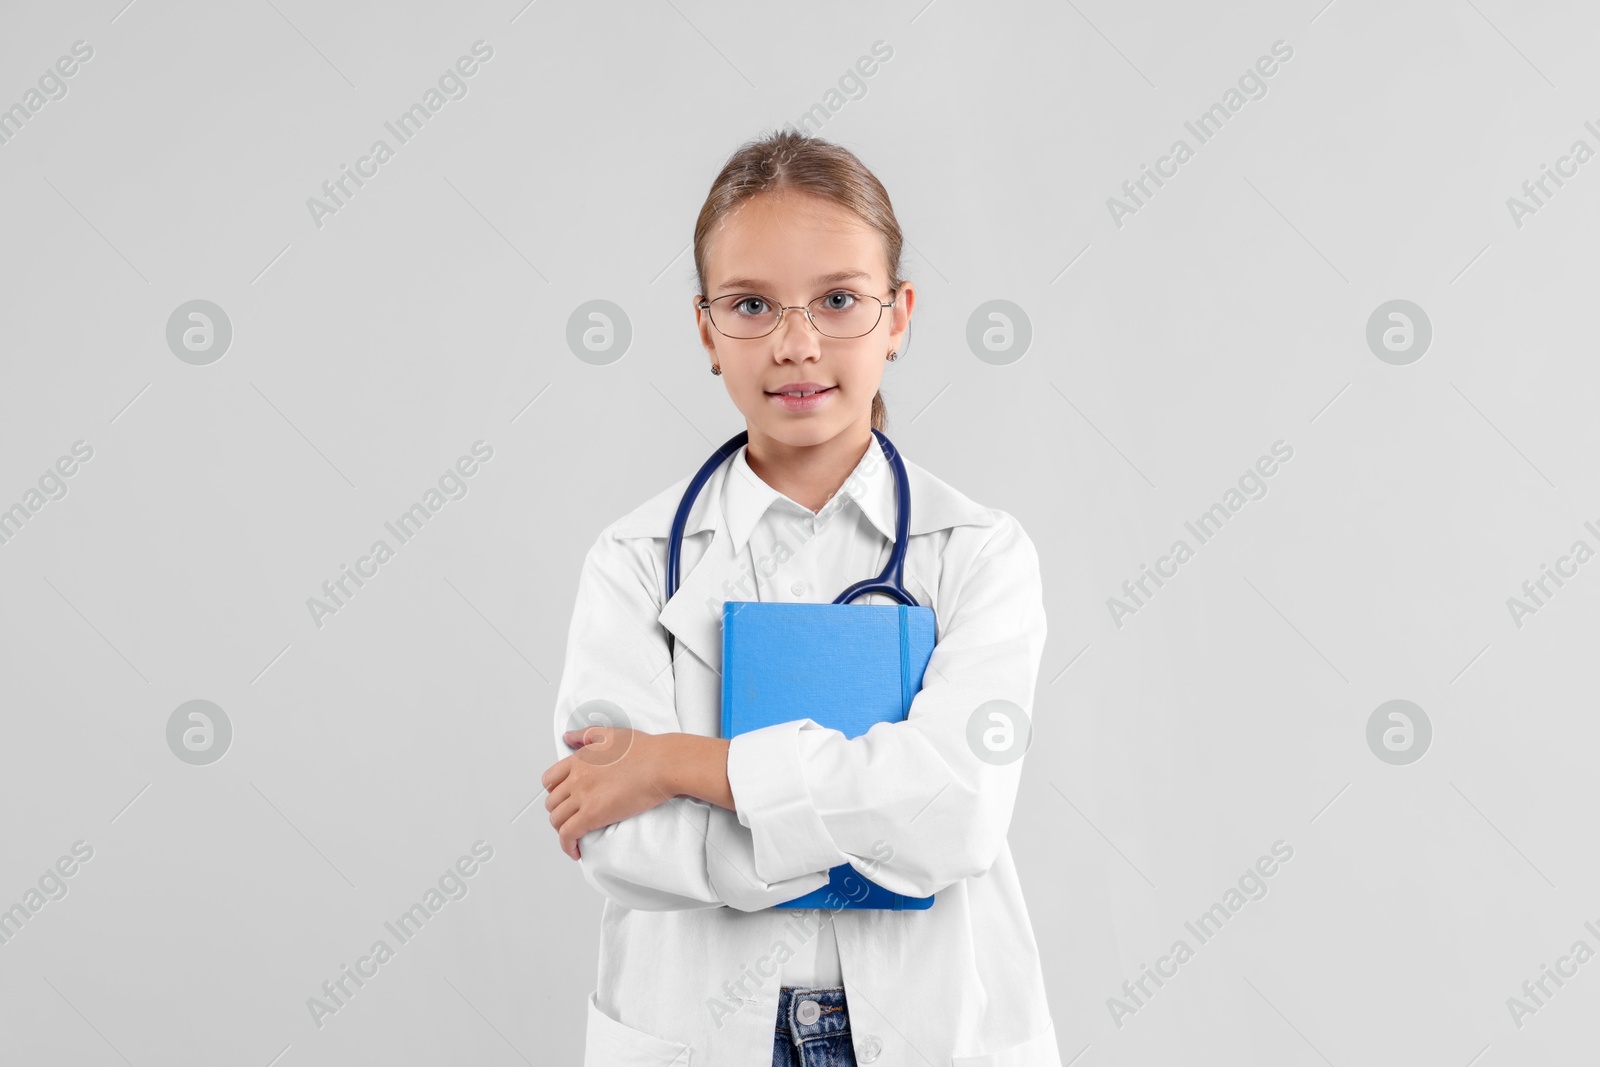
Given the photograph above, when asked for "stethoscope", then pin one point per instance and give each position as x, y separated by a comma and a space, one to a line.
889, 583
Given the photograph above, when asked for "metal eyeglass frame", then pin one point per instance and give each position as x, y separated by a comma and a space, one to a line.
705, 305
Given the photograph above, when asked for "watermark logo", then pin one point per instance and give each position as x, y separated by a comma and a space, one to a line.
199, 732
999, 332
199, 332
999, 732
601, 712
1399, 332
599, 332
1399, 732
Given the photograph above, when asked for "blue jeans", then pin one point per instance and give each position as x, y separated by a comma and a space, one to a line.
813, 1029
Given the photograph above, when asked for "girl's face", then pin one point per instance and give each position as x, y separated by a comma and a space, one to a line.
790, 248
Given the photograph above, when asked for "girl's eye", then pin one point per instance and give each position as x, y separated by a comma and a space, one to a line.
742, 306
838, 301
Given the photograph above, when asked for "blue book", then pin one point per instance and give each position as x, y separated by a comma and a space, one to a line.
866, 664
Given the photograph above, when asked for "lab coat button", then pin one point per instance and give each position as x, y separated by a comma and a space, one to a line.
798, 589
870, 1049
807, 1012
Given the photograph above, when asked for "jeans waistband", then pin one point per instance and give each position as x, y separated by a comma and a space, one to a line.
831, 1017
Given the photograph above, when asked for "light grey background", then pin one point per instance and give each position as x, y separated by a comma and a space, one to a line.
1168, 354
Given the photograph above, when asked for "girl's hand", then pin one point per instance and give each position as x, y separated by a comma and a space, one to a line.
615, 772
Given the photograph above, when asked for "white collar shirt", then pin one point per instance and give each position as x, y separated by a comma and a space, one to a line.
692, 949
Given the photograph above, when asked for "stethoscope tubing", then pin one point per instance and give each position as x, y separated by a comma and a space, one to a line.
890, 583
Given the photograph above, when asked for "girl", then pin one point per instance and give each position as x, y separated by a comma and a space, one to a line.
693, 838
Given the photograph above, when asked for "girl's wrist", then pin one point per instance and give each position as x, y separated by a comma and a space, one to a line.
695, 766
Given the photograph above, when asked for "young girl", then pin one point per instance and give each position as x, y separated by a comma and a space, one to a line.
693, 838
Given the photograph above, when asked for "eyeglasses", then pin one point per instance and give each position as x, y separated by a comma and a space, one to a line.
840, 314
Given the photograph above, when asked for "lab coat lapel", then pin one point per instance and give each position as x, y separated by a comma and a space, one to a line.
694, 614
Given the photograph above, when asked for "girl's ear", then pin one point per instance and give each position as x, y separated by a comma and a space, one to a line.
899, 333
703, 324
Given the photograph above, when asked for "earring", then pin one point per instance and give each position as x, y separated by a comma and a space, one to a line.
715, 369
892, 355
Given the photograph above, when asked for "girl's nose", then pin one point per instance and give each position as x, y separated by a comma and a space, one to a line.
795, 337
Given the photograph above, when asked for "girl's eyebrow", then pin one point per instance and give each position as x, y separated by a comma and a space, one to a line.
825, 279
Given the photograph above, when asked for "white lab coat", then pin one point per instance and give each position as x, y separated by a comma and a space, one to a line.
688, 933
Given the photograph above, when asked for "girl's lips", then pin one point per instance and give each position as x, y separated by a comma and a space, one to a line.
803, 403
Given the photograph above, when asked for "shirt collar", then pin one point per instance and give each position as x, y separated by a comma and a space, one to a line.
870, 486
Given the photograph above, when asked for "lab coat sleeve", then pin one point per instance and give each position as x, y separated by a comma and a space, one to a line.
911, 804
617, 652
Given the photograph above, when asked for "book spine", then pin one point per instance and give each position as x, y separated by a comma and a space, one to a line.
727, 675
905, 662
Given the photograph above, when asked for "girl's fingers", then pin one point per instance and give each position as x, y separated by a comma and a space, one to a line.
556, 773
563, 811
570, 846
574, 824
560, 818
557, 795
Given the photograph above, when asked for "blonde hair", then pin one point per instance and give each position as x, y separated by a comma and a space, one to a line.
790, 159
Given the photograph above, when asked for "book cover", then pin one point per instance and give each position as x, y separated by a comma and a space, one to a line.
864, 664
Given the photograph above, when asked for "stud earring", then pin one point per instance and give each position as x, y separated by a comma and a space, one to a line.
893, 354
715, 369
